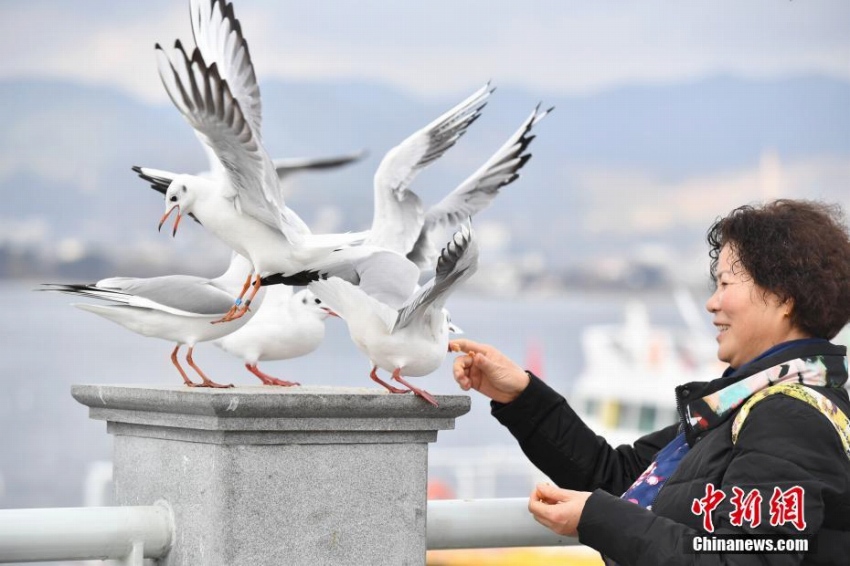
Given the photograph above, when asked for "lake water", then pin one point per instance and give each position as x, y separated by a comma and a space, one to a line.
47, 441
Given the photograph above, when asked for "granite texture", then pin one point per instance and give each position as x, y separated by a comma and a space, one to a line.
269, 476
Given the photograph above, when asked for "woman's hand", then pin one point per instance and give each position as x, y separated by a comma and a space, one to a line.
488, 371
559, 510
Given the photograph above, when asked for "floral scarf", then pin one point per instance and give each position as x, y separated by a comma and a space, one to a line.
707, 412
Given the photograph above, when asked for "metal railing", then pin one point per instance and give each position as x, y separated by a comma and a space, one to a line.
131, 534
487, 523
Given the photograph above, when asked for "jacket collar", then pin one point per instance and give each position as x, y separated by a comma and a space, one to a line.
690, 396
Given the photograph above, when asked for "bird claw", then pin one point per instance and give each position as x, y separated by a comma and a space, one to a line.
425, 395
234, 313
416, 391
211, 384
280, 382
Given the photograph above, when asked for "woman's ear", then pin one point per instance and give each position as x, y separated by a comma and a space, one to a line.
788, 305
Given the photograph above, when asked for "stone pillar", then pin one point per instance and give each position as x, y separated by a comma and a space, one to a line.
272, 476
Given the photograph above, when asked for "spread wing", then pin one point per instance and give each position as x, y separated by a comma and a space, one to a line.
216, 90
398, 211
158, 178
457, 262
478, 190
292, 165
218, 36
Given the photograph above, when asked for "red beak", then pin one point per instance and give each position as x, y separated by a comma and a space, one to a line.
176, 221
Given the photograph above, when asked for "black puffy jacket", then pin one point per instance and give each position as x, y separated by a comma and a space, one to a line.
784, 442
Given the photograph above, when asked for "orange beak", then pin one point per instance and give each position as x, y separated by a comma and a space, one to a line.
176, 221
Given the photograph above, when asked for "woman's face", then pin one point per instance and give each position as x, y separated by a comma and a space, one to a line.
748, 320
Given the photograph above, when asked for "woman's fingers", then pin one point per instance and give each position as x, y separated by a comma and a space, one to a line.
558, 509
540, 507
461, 369
467, 346
549, 492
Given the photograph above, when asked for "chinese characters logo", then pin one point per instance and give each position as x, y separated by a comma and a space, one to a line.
786, 507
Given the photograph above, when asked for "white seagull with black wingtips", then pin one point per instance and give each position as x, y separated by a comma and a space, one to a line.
411, 341
177, 308
214, 86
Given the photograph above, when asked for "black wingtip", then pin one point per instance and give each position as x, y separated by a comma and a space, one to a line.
297, 279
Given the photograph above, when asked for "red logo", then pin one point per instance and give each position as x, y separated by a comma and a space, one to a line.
785, 507
707, 504
746, 508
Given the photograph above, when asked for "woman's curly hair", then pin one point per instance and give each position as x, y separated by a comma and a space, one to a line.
796, 249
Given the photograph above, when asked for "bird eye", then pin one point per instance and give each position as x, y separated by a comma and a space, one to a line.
173, 198
318, 302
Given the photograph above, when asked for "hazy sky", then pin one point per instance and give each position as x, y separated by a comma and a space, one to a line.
443, 46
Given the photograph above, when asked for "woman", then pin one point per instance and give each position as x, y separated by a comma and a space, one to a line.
782, 275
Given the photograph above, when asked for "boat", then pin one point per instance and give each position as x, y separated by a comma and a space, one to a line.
626, 388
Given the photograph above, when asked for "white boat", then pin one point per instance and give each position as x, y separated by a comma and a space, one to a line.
626, 388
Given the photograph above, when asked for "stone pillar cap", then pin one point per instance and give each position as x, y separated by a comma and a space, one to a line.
268, 402
264, 414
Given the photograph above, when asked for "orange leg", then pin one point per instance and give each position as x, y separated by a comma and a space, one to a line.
243, 308
416, 391
207, 381
390, 388
258, 282
267, 379
238, 303
186, 379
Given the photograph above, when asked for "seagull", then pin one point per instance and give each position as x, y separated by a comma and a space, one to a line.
399, 223
413, 340
216, 90
177, 308
288, 325
379, 265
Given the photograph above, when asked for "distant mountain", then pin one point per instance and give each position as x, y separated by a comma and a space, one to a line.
66, 152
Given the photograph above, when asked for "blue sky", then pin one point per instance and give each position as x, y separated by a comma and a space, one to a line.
442, 46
